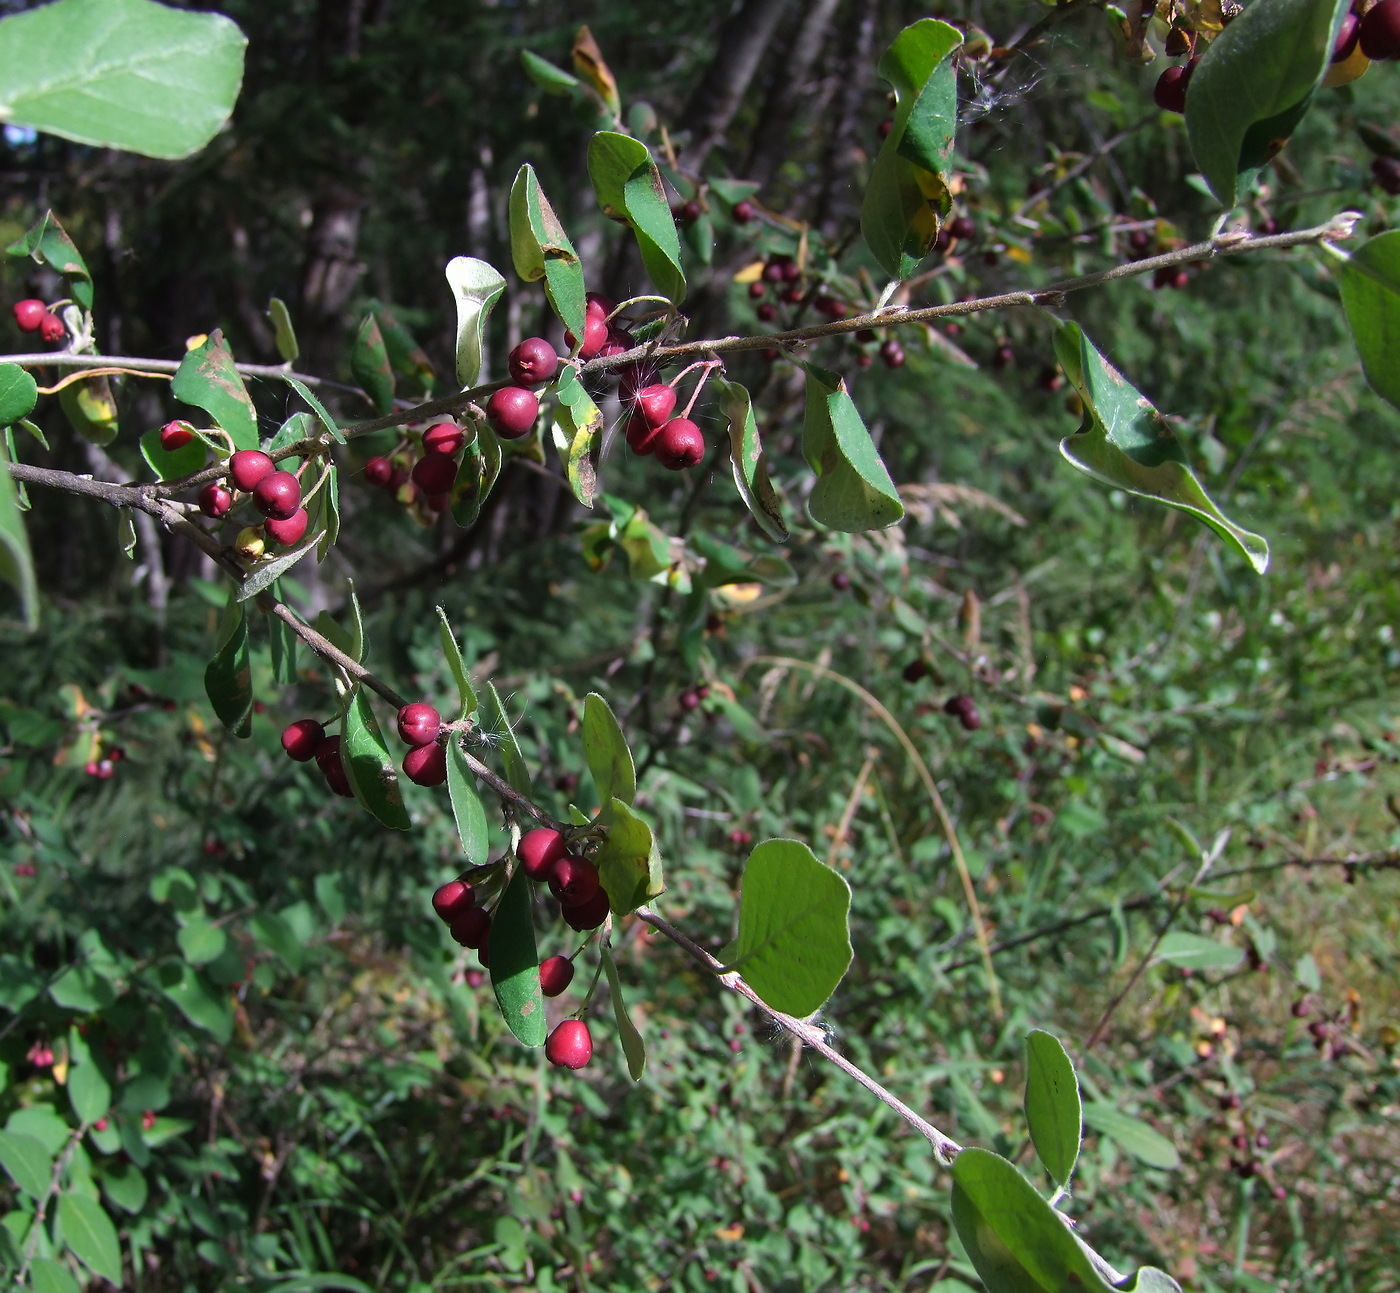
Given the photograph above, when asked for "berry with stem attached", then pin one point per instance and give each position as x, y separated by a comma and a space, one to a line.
278, 495
52, 329
214, 500
533, 362
595, 337
302, 739
679, 444
248, 466
512, 411
175, 435
641, 435
570, 1045
556, 973
29, 314
419, 723
656, 403
539, 850
426, 765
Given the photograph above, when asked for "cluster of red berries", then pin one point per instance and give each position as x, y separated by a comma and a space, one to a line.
276, 494
431, 478
305, 740
1377, 32
104, 766
964, 709
34, 316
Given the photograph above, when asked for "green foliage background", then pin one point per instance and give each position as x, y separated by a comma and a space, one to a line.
342, 1097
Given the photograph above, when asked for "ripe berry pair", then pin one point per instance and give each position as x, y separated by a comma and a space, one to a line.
305, 740
677, 442
512, 410
470, 925
420, 726
34, 316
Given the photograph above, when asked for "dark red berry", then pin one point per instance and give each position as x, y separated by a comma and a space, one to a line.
773, 271
419, 723
379, 471
1348, 34
1003, 357
1386, 172
327, 753
756, 290
767, 313
278, 495
556, 973
570, 1045
214, 500
963, 227
915, 670
792, 271
302, 739
595, 337
690, 700
957, 704
679, 444
1380, 31
337, 778
740, 839
289, 531
434, 473
687, 212
892, 353
30, 314
744, 212
840, 581
471, 928
884, 128
426, 765
1169, 93
453, 899
599, 304
512, 411
588, 915
794, 295
51, 329
444, 437
970, 718
175, 435
656, 403
641, 435
539, 850
573, 881
533, 361
248, 466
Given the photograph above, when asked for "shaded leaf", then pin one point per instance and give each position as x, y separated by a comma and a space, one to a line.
1370, 286
27, 1163
628, 860
1052, 1105
515, 963
1140, 1140
369, 765
629, 189
480, 466
794, 943
539, 248
19, 393
201, 941
126, 74
369, 363
89, 1232
907, 196
577, 428
91, 409
1127, 443
1253, 85
228, 679
605, 750
633, 1048
853, 491
208, 379
476, 287
748, 462
172, 464
551, 79
16, 562
284, 335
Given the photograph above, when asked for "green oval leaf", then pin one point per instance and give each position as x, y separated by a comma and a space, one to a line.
48, 1276
369, 363
201, 941
48, 243
228, 680
208, 379
1052, 1105
19, 393
794, 943
467, 808
27, 1163
1197, 952
125, 1185
476, 287
89, 1232
1128, 444
453, 654
629, 189
628, 860
1370, 286
854, 491
1254, 84
89, 1091
907, 195
606, 753
515, 963
369, 767
91, 409
126, 74
203, 1005
748, 462
1143, 1142
578, 426
539, 248
633, 1048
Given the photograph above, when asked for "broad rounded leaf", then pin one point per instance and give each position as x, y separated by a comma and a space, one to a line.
629, 863
27, 1163
201, 941
89, 1232
476, 287
19, 393
1197, 952
369, 767
854, 491
1125, 442
1141, 1141
1052, 1105
1254, 84
208, 379
605, 750
629, 189
203, 1005
1370, 284
794, 943
515, 962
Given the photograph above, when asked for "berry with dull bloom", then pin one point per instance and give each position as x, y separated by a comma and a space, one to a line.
556, 973
453, 899
840, 581
915, 669
248, 466
426, 765
656, 403
278, 495
533, 362
573, 881
963, 227
679, 444
379, 472
214, 500
570, 1045
434, 473
337, 778
290, 531
444, 438
539, 850
29, 314
302, 739
686, 212
744, 212
587, 915
892, 353
512, 411
52, 329
175, 435
419, 723
767, 312
471, 928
